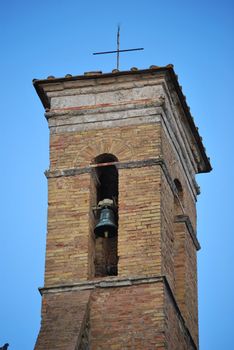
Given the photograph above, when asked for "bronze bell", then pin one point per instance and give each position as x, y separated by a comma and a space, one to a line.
106, 227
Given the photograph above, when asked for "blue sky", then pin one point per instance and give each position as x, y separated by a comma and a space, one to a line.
41, 38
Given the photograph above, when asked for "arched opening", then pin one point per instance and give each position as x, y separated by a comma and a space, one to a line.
106, 216
105, 158
178, 198
107, 176
179, 244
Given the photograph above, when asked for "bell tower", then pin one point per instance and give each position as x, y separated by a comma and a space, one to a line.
121, 270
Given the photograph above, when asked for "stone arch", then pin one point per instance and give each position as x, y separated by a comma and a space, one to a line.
105, 158
122, 150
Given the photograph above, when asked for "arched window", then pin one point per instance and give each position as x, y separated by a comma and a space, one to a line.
107, 175
179, 245
106, 215
178, 198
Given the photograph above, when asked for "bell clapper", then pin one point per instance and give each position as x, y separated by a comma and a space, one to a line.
106, 234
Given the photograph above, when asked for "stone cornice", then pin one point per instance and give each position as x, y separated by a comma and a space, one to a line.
104, 116
106, 282
105, 108
120, 165
186, 220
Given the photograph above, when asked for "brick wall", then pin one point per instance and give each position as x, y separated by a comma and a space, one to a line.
176, 171
152, 303
139, 222
167, 234
70, 217
179, 262
146, 234
119, 316
186, 277
176, 334
69, 150
63, 320
127, 318
68, 230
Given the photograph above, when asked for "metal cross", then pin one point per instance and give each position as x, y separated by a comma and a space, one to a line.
118, 50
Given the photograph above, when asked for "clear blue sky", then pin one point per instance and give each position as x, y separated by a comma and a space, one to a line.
41, 38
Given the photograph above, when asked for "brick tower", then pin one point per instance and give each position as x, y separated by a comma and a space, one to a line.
124, 149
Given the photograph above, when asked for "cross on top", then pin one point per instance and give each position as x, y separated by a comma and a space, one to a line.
118, 49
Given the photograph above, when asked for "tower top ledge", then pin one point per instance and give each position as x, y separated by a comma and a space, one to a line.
168, 71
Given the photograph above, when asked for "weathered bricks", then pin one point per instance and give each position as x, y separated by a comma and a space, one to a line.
141, 119
63, 316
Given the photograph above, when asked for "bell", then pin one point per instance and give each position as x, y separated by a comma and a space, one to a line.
106, 226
